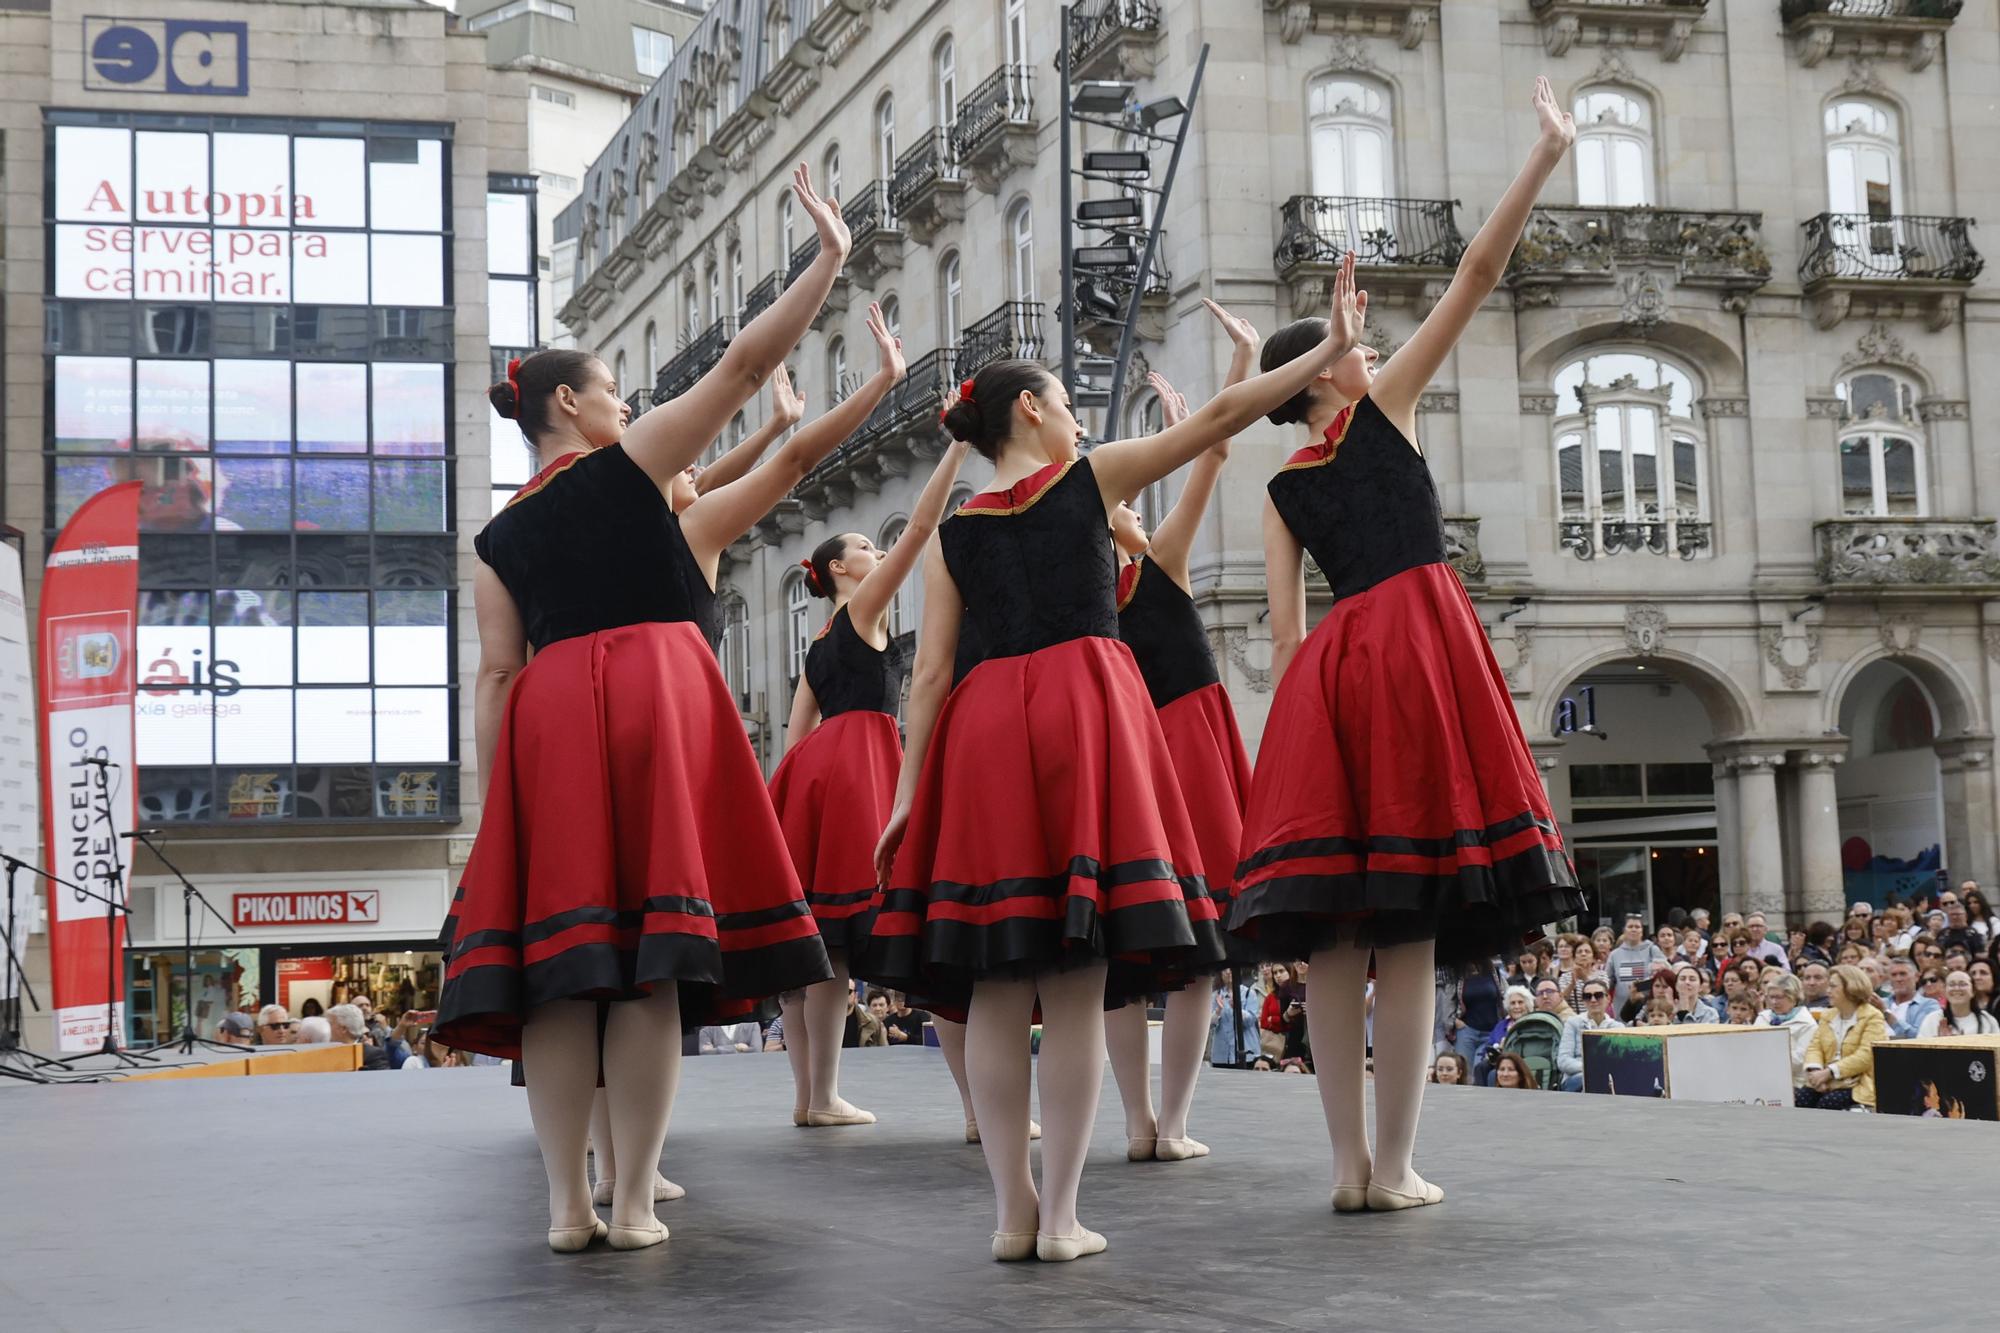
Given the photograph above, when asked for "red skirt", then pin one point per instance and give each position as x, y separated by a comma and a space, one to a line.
833, 794
1214, 773
1395, 798
1045, 833
626, 842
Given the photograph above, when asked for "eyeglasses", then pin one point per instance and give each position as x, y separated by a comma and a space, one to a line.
277, 1025
1596, 995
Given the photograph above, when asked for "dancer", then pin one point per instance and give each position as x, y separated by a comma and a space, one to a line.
1037, 841
1158, 621
1395, 807
627, 854
837, 782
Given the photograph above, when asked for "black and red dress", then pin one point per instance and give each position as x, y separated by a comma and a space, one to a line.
835, 788
626, 839
1046, 829
1395, 798
1157, 620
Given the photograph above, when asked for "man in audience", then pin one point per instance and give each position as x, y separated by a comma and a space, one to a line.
313, 1031
1761, 948
1957, 932
237, 1029
904, 1024
350, 1029
1906, 1008
275, 1027
1813, 979
1596, 1014
1633, 960
1549, 1000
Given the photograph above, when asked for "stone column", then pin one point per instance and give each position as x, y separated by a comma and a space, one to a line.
1823, 890
1548, 754
1966, 763
1758, 834
1728, 842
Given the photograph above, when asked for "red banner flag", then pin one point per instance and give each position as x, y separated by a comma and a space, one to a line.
90, 599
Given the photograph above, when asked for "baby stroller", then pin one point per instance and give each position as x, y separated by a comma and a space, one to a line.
1535, 1039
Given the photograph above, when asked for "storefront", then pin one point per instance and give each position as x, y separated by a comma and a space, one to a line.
304, 941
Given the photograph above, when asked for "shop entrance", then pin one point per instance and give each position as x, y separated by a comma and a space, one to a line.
305, 978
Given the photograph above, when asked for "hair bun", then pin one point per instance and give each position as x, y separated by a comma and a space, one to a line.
962, 420
505, 400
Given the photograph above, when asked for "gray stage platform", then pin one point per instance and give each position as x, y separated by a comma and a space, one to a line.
392, 1202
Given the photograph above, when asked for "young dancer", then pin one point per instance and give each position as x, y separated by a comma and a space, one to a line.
627, 852
1395, 807
1158, 621
1037, 837
837, 782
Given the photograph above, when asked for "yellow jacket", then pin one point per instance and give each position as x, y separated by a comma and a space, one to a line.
1851, 1062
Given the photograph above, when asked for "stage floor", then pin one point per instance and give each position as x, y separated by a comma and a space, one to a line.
416, 1202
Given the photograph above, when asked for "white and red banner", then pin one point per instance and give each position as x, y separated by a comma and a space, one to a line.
90, 598
20, 787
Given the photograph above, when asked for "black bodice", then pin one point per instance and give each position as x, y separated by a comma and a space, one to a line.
848, 676
1158, 622
1362, 502
1034, 562
590, 544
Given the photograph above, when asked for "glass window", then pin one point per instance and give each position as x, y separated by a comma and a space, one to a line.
407, 270
951, 301
509, 235
406, 186
176, 494
1021, 251
331, 182
334, 726
836, 368
885, 137
93, 174
93, 403
330, 268
653, 51
409, 408
510, 313
170, 177
332, 408
798, 626
76, 480
1351, 138
253, 494
1630, 460
409, 497
412, 638
253, 172
253, 635
1882, 447
333, 638
1863, 158
1605, 782
1614, 149
172, 403
944, 83
253, 407
332, 496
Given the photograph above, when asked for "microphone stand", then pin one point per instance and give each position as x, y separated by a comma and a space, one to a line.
10, 1035
188, 1038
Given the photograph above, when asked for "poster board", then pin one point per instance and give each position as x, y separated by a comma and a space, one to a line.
1948, 1078
1698, 1062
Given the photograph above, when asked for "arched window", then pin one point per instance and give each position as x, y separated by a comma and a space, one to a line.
1631, 464
902, 607
832, 176
777, 34
1882, 446
1352, 137
618, 372
892, 315
691, 302
1864, 157
836, 368
715, 311
944, 83
652, 352
785, 218
736, 648
798, 622
736, 279
951, 301
1021, 252
1017, 32
885, 136
1614, 149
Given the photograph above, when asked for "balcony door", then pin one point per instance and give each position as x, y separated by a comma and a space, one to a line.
1864, 177
1352, 139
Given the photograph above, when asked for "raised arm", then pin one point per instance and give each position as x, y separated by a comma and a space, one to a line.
503, 651
786, 410
871, 598
930, 682
1285, 577
672, 435
805, 715
720, 517
1123, 467
1407, 374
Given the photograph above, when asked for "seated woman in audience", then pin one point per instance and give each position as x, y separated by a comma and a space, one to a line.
1983, 996
1511, 1071
1518, 1002
1840, 1063
1959, 1016
1690, 996
1449, 1067
1784, 1008
1819, 945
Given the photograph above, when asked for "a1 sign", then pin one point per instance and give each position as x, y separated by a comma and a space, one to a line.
187, 56
337, 907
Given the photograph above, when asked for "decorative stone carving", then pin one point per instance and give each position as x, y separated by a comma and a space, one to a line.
1440, 401
1666, 23
1461, 548
1514, 651
1645, 304
1720, 250
1713, 409
1908, 30
1645, 628
1943, 409
1792, 654
1818, 408
1538, 404
1350, 53
1233, 643
1294, 22
1903, 552
1901, 631
1990, 636
1878, 346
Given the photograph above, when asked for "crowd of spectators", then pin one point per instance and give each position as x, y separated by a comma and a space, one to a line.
405, 1043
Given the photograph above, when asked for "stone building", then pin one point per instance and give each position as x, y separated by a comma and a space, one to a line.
1709, 455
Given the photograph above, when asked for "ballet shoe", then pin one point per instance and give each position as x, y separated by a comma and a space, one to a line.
637, 1238
1010, 1247
1382, 1199
972, 1131
1350, 1198
799, 1118
853, 1115
1141, 1150
1061, 1249
1179, 1150
569, 1240
664, 1191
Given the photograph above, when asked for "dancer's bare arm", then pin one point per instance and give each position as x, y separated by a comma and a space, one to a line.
1406, 375
870, 602
805, 714
787, 408
503, 651
930, 682
1285, 575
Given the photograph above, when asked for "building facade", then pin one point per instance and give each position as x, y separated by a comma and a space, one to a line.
1711, 456
253, 250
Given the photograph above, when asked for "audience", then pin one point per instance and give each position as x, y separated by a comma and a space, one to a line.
275, 1027
1840, 1063
313, 1030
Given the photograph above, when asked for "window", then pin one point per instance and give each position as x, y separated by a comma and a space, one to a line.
885, 137
547, 8
715, 296
798, 631
951, 301
1352, 136
1864, 175
736, 648
692, 303
836, 369
1021, 252
832, 173
618, 373
653, 50
1614, 149
555, 180
555, 97
1882, 453
1017, 32
892, 315
736, 278
785, 219
944, 83
1630, 460
902, 609
652, 353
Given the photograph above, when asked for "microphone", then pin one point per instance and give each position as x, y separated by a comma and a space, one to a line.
143, 833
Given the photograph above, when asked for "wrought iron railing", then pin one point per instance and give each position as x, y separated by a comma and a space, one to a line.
802, 259
1711, 246
1014, 329
909, 407
760, 297
1092, 25
1791, 11
1893, 246
1896, 550
869, 213
921, 165
693, 361
1401, 233
1006, 96
639, 400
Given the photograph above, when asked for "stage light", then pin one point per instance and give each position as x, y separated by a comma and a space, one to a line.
1116, 162
1109, 212
1105, 256
1101, 97
1163, 108
1090, 397
1095, 303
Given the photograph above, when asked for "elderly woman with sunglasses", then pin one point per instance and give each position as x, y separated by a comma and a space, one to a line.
1595, 1015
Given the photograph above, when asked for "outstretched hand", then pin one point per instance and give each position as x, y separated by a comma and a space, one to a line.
1173, 407
887, 343
825, 213
1349, 313
1558, 125
788, 407
1240, 330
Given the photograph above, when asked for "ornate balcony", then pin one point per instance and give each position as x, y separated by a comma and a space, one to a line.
995, 128
1114, 39
1885, 266
1667, 24
1405, 20
927, 191
1908, 30
1403, 248
1874, 553
1661, 534
878, 239
836, 299
1721, 251
759, 298
693, 361
902, 431
639, 400
1012, 330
